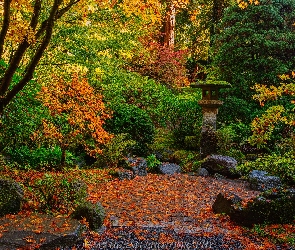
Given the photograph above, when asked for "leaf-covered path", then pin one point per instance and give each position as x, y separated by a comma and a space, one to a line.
181, 203
158, 200
153, 212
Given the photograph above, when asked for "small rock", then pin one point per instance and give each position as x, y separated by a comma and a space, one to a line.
138, 165
169, 168
219, 176
202, 172
11, 197
125, 175
261, 181
94, 214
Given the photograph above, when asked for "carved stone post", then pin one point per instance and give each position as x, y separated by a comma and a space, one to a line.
210, 105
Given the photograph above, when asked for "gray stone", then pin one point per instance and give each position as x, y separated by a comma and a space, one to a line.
94, 214
138, 166
262, 181
202, 172
11, 197
169, 168
125, 175
224, 165
265, 208
219, 176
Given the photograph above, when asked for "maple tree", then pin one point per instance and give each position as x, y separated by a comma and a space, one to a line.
78, 115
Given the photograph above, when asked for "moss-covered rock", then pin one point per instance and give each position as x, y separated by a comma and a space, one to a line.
11, 197
94, 214
268, 208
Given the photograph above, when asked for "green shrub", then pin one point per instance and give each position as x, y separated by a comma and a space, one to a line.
130, 119
247, 44
58, 194
279, 165
225, 136
115, 151
38, 158
230, 138
184, 118
252, 45
188, 160
152, 163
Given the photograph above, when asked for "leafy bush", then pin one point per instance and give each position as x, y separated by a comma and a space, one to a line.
184, 118
152, 163
279, 165
131, 88
253, 45
38, 158
115, 151
230, 138
58, 194
248, 44
235, 108
21, 118
134, 121
188, 160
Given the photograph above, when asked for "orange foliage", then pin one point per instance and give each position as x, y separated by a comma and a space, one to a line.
83, 111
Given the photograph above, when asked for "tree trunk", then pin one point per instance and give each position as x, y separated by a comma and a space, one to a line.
170, 26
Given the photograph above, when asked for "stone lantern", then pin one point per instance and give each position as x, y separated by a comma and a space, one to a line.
210, 102
210, 105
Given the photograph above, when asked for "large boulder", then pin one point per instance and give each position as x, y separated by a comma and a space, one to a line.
269, 208
169, 168
262, 181
224, 165
11, 197
138, 166
94, 214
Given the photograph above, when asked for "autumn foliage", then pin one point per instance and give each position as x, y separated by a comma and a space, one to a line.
163, 64
77, 116
264, 126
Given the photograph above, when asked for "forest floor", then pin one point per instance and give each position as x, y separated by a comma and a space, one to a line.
173, 205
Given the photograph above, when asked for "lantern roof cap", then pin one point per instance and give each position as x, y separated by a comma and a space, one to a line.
211, 83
